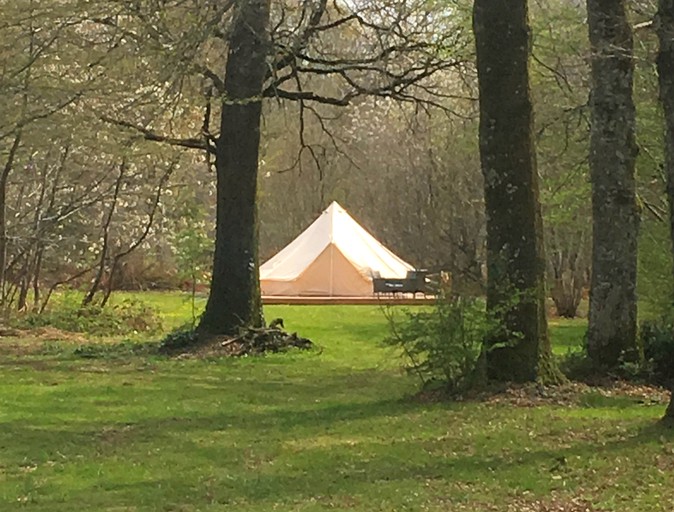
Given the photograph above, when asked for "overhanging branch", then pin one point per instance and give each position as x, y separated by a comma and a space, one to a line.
190, 143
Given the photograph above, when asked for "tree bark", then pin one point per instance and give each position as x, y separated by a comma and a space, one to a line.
665, 63
615, 216
520, 349
4, 178
234, 298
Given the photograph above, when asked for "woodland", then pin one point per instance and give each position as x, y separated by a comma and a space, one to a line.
156, 149
118, 143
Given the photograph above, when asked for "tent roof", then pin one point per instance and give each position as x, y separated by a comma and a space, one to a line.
334, 226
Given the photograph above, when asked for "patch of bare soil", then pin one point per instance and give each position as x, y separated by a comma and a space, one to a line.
568, 394
32, 342
552, 504
53, 334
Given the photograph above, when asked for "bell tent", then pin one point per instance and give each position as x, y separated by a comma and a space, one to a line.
334, 257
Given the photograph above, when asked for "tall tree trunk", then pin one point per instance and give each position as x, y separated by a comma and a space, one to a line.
520, 350
234, 298
665, 29
615, 216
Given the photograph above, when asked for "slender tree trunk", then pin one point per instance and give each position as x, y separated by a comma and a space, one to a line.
234, 298
665, 29
105, 240
615, 216
37, 274
4, 179
24, 283
520, 350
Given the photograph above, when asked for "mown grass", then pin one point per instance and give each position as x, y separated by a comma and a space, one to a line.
334, 322
332, 429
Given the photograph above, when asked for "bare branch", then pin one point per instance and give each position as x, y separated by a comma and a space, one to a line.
191, 143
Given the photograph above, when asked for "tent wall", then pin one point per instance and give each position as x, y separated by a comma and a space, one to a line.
329, 275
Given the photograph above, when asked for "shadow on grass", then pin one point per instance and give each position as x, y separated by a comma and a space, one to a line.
260, 473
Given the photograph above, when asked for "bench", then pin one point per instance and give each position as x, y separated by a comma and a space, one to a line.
414, 282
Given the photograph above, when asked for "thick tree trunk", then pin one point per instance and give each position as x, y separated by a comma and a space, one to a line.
615, 216
520, 351
665, 29
234, 298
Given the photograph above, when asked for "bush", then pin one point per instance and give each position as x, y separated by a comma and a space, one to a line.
657, 340
67, 314
182, 338
443, 344
577, 365
655, 365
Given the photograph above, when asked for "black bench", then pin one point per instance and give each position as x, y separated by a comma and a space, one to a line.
414, 282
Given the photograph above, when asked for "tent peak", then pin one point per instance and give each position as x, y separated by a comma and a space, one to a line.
334, 206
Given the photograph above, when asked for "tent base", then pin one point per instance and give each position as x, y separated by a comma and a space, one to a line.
384, 300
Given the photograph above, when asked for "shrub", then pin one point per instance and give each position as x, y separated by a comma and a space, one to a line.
443, 344
577, 365
657, 340
67, 314
180, 339
654, 362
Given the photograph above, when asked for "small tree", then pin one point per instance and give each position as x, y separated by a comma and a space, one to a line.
193, 249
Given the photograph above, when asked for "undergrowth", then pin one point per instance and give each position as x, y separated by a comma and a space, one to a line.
131, 316
442, 344
118, 350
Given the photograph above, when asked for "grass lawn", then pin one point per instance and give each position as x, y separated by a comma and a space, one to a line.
334, 429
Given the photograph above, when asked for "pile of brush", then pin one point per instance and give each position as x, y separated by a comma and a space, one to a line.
261, 340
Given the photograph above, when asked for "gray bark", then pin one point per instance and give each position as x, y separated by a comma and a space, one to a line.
615, 216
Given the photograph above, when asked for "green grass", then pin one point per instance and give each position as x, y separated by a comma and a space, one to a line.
364, 322
334, 429
567, 335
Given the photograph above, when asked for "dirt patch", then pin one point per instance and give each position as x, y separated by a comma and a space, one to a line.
553, 504
53, 334
570, 394
15, 342
35, 364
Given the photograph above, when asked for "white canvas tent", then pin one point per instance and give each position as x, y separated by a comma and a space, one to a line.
334, 257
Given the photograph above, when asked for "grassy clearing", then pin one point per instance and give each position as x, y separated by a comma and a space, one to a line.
331, 429
336, 322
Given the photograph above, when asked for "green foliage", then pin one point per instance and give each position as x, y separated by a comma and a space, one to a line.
130, 316
657, 339
193, 249
654, 365
443, 344
655, 284
577, 365
181, 338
